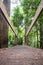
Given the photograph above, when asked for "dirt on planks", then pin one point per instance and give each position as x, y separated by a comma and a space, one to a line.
21, 55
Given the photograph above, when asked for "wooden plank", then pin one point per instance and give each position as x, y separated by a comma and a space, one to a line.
21, 55
35, 17
3, 8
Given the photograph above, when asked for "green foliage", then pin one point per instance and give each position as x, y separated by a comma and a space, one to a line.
22, 16
17, 17
20, 41
29, 8
11, 38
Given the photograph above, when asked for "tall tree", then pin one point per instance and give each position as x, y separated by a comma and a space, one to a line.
41, 29
17, 19
29, 8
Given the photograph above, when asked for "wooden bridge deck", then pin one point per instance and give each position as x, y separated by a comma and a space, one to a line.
21, 55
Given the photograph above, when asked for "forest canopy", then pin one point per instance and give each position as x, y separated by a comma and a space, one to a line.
21, 18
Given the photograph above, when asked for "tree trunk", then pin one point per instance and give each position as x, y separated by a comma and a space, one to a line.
16, 40
37, 38
41, 36
26, 37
